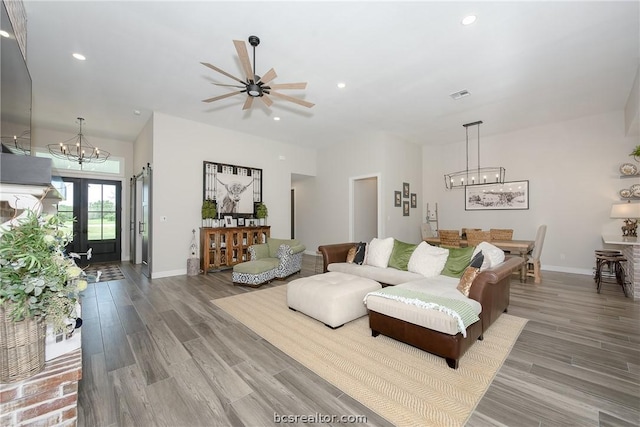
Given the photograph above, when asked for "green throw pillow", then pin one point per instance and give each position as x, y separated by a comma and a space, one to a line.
458, 260
400, 254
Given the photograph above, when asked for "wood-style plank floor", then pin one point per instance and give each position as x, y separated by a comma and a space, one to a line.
158, 353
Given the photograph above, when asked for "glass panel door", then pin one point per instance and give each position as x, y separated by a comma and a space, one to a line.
92, 210
101, 212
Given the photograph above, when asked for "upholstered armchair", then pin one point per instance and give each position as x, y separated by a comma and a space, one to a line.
287, 252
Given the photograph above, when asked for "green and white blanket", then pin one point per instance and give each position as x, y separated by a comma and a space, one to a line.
461, 311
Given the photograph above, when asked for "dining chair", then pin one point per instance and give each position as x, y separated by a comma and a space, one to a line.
475, 237
533, 260
426, 231
464, 231
449, 238
501, 233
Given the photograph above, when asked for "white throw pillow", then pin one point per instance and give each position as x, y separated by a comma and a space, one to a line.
493, 255
379, 252
428, 260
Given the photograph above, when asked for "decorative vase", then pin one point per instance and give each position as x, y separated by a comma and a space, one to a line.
22, 346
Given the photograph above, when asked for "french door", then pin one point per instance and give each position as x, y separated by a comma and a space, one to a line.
95, 205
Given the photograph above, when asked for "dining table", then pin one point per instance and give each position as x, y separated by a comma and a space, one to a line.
519, 247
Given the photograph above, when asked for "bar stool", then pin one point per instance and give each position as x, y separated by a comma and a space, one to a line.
605, 252
614, 260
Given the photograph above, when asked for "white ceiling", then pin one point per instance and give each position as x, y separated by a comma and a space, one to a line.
525, 64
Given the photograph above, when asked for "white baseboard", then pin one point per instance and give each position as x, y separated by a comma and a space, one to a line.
561, 269
170, 273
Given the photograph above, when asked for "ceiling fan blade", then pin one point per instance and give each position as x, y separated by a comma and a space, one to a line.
292, 99
214, 68
268, 76
267, 101
220, 84
288, 86
241, 48
247, 103
226, 95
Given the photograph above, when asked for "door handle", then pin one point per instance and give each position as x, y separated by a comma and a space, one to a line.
140, 227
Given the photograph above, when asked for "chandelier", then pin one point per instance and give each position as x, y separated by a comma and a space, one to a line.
18, 144
78, 150
476, 176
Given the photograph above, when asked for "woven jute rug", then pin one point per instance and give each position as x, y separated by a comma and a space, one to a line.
403, 384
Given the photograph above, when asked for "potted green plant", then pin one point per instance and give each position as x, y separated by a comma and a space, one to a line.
39, 285
636, 153
209, 212
262, 213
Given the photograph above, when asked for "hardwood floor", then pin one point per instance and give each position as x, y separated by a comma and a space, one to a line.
157, 352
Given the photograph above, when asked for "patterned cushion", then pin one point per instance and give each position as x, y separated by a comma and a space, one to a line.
470, 273
351, 255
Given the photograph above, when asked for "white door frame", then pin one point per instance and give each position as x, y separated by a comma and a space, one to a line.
352, 181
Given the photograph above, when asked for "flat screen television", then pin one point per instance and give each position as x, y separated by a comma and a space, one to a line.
15, 89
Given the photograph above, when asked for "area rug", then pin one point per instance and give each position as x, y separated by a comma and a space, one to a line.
107, 272
407, 386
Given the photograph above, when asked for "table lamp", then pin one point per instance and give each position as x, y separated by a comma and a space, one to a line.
630, 212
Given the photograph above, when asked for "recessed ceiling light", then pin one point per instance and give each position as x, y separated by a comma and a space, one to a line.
3, 33
79, 56
469, 19
276, 119
342, 85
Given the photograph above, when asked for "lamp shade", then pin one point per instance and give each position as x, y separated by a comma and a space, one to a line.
625, 210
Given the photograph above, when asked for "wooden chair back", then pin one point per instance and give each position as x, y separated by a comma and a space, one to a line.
474, 237
501, 233
449, 238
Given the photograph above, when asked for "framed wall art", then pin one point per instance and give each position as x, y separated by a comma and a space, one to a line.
405, 190
414, 200
405, 208
397, 199
511, 195
235, 189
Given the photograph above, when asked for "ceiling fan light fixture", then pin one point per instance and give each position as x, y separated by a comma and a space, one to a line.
254, 90
253, 85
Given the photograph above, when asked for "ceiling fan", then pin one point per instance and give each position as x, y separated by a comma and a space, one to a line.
256, 86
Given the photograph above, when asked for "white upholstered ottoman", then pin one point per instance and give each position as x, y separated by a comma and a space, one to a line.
332, 298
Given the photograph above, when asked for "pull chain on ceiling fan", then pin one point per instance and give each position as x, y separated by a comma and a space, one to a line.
254, 85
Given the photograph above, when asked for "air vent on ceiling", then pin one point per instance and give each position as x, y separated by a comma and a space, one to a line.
460, 94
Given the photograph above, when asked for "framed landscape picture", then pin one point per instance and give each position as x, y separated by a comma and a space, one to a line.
512, 195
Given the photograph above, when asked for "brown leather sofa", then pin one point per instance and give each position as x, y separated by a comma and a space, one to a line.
490, 288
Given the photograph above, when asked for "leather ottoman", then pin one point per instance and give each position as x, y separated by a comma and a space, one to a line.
332, 298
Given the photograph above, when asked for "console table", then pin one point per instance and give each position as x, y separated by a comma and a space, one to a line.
224, 247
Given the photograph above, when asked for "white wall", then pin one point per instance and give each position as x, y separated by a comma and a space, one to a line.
324, 217
572, 168
41, 137
365, 209
179, 148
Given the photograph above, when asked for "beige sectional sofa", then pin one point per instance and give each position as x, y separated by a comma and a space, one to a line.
429, 330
